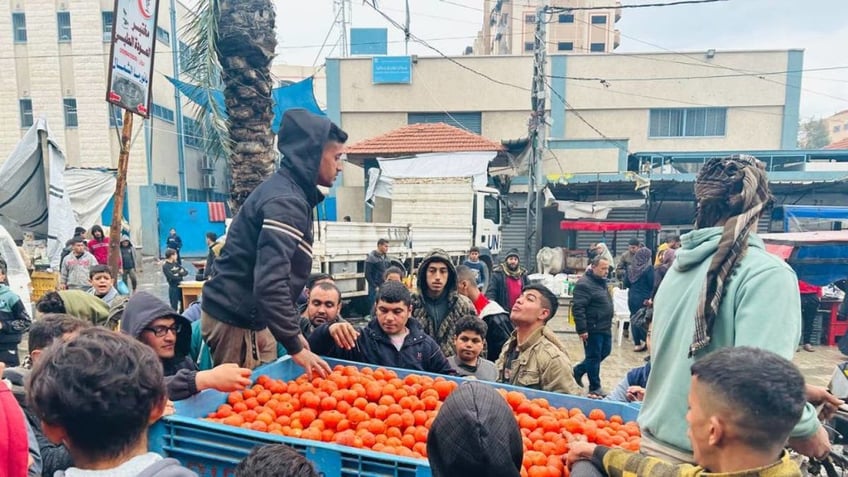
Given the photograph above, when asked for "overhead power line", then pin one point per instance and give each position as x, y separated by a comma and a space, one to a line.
642, 5
671, 78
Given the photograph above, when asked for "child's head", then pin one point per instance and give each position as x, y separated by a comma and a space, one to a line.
97, 393
393, 274
49, 327
275, 460
101, 279
473, 254
170, 254
469, 337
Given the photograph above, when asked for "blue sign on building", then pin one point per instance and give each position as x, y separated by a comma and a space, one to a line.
391, 70
369, 41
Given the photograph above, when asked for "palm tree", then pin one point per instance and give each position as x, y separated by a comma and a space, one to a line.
232, 43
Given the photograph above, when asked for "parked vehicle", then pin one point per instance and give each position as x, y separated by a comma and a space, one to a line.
448, 214
808, 218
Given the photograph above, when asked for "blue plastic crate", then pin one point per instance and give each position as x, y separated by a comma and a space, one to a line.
214, 450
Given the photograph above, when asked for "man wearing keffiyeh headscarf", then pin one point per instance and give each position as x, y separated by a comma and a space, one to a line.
722, 290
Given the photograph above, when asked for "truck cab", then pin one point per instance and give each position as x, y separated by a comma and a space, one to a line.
487, 219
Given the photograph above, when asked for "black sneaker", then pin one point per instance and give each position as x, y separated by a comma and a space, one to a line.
578, 378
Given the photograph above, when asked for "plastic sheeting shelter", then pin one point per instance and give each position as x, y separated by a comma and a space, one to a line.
819, 258
297, 95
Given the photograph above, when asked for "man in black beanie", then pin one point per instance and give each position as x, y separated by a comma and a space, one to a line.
475, 433
508, 280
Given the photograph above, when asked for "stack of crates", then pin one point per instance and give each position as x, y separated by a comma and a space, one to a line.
43, 282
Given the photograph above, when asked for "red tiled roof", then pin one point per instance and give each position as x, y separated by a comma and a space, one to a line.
423, 138
843, 144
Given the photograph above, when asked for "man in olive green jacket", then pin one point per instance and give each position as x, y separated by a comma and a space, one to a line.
533, 357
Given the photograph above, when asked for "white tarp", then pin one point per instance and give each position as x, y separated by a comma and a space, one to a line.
89, 190
593, 210
452, 164
23, 195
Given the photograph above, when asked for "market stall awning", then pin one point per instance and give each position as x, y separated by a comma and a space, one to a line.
595, 226
819, 258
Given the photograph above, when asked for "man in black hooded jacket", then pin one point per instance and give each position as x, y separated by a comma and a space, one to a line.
250, 301
154, 323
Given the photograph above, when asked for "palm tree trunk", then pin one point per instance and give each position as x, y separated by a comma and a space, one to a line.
245, 46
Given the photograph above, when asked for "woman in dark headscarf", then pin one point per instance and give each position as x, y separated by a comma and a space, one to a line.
640, 284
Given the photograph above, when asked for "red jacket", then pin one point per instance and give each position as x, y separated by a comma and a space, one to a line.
100, 250
13, 436
807, 289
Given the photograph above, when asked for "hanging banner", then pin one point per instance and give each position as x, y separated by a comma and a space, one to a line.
131, 56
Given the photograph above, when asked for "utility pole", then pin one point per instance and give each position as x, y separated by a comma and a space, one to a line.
178, 104
537, 135
343, 13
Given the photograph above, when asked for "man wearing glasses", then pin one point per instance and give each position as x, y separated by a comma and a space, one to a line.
151, 321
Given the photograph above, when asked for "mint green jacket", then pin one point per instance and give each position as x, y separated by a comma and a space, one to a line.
761, 308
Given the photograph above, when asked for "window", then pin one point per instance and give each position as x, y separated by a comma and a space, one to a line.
687, 122
116, 116
836, 128
185, 55
566, 18
491, 209
196, 195
26, 112
597, 47
166, 191
599, 19
71, 118
163, 35
63, 19
163, 113
19, 27
192, 133
468, 121
107, 19
530, 18
529, 46
565, 46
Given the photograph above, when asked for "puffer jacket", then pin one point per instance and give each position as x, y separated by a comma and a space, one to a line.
268, 256
498, 290
499, 328
419, 352
180, 371
458, 306
592, 305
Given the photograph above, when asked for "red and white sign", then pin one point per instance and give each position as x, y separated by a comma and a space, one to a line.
131, 58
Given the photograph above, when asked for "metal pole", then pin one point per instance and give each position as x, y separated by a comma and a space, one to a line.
537, 125
178, 103
148, 152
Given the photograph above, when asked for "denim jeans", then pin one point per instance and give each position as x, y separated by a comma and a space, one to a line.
596, 348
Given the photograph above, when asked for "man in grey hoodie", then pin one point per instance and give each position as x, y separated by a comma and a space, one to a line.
151, 321
98, 393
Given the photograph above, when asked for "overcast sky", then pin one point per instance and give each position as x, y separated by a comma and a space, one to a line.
819, 27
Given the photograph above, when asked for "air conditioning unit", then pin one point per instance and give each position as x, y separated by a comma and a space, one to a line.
208, 181
207, 163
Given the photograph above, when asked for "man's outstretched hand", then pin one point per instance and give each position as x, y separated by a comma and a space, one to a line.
310, 362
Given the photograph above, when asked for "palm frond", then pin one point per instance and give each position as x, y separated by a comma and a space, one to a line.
203, 66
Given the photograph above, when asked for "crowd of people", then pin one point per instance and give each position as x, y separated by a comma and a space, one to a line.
97, 377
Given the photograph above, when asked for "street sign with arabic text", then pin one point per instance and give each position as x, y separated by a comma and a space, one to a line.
131, 56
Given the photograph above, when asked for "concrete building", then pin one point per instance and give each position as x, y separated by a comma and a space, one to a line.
56, 66
602, 107
509, 27
837, 126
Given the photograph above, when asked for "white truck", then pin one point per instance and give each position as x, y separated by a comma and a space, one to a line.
444, 213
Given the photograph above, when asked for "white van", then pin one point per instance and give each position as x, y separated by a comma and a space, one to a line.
19, 280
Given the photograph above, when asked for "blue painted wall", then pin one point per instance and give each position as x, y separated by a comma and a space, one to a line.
191, 220
792, 102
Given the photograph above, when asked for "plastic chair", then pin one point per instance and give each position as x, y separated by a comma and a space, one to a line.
621, 310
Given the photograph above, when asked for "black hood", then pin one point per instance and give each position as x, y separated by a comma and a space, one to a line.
475, 433
143, 308
301, 141
97, 228
436, 256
